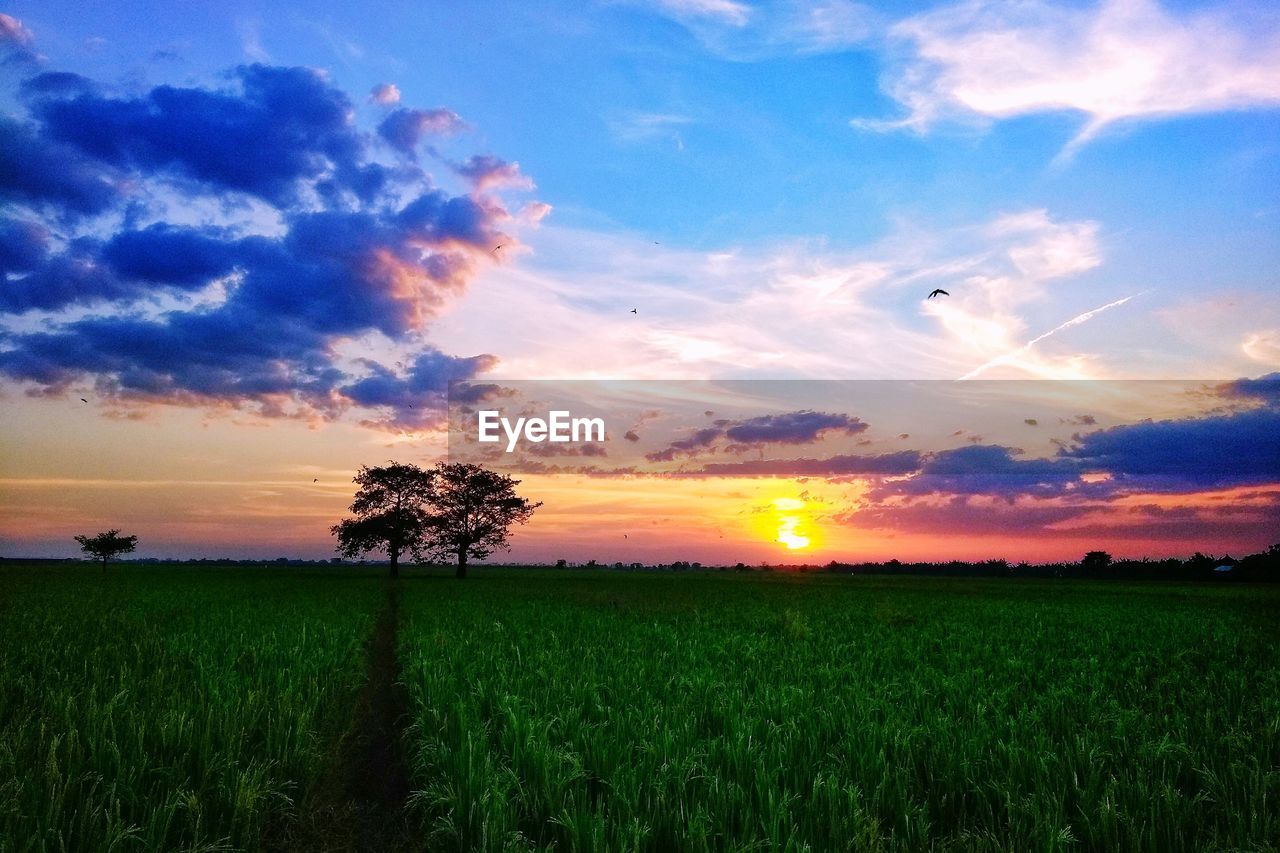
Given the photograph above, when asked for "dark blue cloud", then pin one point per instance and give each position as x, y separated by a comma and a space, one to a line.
51, 176
802, 427
173, 256
986, 470
791, 428
1264, 389
699, 440
1195, 453
57, 84
283, 127
183, 357
405, 128
23, 245
424, 383
361, 247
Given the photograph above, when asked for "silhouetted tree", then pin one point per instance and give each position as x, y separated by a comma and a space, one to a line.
1096, 560
390, 513
104, 546
469, 511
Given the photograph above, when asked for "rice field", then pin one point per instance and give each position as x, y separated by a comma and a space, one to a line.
181, 708
713, 712
168, 708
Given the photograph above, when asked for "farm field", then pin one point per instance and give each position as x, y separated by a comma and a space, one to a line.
167, 707
716, 712
181, 708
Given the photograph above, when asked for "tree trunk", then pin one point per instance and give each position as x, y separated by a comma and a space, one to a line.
395, 563
462, 564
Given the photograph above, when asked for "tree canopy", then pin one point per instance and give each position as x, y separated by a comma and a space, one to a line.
106, 545
390, 513
450, 513
470, 511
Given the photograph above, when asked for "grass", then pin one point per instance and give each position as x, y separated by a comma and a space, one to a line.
709, 712
165, 708
173, 708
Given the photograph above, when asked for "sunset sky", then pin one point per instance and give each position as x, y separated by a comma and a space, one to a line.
246, 249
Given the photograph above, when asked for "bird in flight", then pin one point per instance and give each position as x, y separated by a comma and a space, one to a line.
316, 480
939, 292
83, 400
496, 248
633, 310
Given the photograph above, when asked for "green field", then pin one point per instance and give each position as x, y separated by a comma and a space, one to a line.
167, 708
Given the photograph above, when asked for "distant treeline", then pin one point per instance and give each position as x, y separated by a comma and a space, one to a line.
1096, 565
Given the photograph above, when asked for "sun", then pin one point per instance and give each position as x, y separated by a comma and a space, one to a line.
789, 531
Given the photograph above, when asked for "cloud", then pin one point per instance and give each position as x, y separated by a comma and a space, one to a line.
723, 11
405, 128
647, 127
847, 465
250, 33
791, 427
23, 245
50, 175
17, 41
1264, 389
486, 172
1110, 61
418, 395
699, 440
798, 308
385, 94
297, 126
983, 469
253, 311
773, 28
1198, 453
1263, 346
802, 427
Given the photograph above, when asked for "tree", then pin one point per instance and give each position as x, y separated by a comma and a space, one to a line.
390, 513
104, 546
469, 511
1096, 560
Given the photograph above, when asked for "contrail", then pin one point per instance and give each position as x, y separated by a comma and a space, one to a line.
1074, 321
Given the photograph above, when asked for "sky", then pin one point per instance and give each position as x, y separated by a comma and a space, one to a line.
246, 249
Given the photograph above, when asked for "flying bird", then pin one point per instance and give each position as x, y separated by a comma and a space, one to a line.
83, 400
496, 248
633, 310
938, 292
316, 480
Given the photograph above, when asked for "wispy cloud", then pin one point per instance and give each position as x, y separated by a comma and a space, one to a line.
1263, 346
648, 127
1021, 351
1110, 61
796, 309
250, 33
17, 40
724, 11
772, 28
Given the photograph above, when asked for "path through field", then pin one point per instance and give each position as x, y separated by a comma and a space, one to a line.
361, 804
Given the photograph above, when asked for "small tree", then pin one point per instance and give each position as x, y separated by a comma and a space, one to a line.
1096, 560
104, 546
469, 511
389, 513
